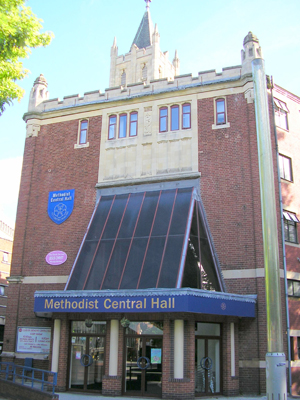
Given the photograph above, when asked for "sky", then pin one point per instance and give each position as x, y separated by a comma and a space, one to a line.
208, 34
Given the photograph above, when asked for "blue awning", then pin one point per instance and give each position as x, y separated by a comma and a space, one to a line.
142, 301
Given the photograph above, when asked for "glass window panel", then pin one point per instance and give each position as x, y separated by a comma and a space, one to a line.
171, 262
115, 217
186, 108
162, 220
181, 211
214, 373
133, 129
100, 216
220, 106
145, 328
84, 125
78, 348
131, 215
221, 119
134, 262
116, 264
207, 329
290, 288
147, 214
292, 232
123, 126
79, 327
82, 137
296, 286
286, 231
200, 386
133, 117
82, 266
175, 118
112, 127
163, 120
163, 112
99, 265
152, 263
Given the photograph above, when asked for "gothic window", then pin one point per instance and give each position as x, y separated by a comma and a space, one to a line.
83, 132
186, 116
122, 125
220, 112
133, 124
112, 127
163, 119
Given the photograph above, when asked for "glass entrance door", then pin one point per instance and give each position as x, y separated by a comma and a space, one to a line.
207, 361
143, 364
86, 357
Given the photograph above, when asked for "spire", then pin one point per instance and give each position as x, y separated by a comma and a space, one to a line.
143, 37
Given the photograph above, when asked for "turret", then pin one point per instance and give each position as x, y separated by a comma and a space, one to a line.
38, 93
113, 61
251, 51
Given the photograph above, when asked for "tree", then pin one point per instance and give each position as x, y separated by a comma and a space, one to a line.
19, 33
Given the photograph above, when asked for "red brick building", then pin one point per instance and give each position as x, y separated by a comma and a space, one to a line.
138, 264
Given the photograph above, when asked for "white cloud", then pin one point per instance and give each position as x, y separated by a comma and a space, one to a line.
10, 174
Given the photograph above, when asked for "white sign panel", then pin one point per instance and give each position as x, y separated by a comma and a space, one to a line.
33, 340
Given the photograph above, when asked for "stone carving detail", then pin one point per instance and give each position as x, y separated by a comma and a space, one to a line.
249, 95
32, 130
148, 121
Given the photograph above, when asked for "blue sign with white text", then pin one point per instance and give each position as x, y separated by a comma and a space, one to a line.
60, 205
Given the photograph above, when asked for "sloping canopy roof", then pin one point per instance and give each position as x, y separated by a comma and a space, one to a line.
153, 239
143, 37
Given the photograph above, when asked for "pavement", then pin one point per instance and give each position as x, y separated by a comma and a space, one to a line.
85, 396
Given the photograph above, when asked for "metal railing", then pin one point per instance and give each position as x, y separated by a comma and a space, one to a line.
39, 379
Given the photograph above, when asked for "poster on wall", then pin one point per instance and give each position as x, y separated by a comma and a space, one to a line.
33, 340
60, 205
155, 356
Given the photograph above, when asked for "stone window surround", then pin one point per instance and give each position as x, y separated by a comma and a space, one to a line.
220, 126
128, 123
169, 120
83, 145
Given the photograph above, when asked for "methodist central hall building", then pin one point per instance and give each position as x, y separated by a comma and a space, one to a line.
138, 266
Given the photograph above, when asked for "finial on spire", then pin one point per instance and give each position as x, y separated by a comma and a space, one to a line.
147, 4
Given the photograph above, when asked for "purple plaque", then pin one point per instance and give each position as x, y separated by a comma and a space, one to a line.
56, 257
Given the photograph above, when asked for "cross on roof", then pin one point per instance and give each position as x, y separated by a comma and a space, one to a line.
147, 4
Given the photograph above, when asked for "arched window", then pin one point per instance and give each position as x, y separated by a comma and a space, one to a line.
220, 112
112, 127
133, 124
186, 116
175, 118
83, 131
122, 125
163, 119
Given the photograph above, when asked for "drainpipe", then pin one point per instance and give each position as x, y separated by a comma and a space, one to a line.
275, 358
283, 246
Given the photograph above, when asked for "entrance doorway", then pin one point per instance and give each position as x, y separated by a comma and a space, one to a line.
87, 349
143, 359
207, 359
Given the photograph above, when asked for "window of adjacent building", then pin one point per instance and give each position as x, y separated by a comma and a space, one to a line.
83, 132
281, 112
163, 119
186, 116
174, 118
2, 290
293, 288
122, 125
285, 165
290, 227
133, 124
220, 112
5, 258
112, 127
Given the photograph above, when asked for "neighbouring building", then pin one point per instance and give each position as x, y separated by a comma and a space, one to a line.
138, 265
6, 245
